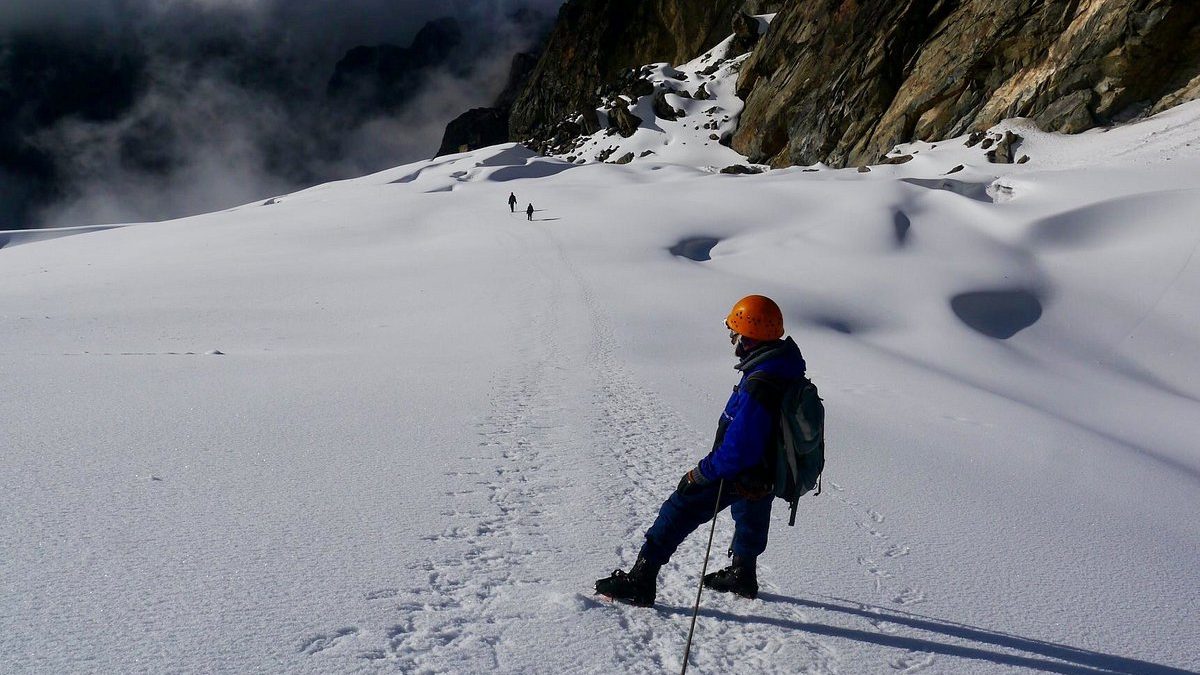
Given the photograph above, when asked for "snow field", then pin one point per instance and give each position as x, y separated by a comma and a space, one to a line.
433, 424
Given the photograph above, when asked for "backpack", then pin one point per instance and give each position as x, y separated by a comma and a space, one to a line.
799, 448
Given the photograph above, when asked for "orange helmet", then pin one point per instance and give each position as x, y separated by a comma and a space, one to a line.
756, 317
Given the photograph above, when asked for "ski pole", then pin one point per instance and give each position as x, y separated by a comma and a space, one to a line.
700, 589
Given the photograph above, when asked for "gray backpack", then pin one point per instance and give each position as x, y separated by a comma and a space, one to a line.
799, 442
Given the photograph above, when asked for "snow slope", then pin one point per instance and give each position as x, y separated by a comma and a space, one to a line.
703, 97
432, 424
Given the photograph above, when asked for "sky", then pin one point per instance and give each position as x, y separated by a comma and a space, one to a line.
229, 99
341, 24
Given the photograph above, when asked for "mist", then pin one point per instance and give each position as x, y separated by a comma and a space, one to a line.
189, 106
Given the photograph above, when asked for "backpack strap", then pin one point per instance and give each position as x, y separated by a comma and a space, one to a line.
766, 388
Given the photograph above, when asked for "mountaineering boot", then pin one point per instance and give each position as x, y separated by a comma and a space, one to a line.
636, 587
739, 578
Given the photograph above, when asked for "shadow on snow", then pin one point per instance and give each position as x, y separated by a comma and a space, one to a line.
1071, 660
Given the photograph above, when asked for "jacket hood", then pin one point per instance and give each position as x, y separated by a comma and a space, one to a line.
778, 357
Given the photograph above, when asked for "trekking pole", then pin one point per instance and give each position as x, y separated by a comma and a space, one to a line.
700, 589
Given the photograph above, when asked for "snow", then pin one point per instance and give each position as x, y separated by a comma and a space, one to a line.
385, 425
704, 94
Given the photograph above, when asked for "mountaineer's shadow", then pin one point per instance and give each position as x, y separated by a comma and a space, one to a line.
1074, 661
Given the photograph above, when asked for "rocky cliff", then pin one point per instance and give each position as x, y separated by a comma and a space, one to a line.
594, 41
481, 127
842, 81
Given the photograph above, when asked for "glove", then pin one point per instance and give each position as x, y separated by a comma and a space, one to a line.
692, 480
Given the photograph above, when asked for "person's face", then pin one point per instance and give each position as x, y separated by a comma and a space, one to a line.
737, 340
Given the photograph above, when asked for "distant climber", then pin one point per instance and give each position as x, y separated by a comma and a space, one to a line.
739, 468
529, 211
512, 202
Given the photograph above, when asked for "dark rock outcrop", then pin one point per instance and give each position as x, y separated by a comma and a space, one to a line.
481, 127
623, 121
380, 79
745, 34
476, 128
663, 109
843, 81
594, 41
741, 169
1005, 149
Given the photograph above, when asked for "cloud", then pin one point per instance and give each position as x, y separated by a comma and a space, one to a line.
230, 104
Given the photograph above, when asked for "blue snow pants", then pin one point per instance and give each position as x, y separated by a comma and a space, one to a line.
681, 514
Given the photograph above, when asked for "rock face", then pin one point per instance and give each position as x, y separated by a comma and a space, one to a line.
842, 81
594, 41
381, 78
476, 128
481, 127
623, 121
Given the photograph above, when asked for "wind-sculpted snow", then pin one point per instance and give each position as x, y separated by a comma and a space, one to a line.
971, 190
539, 169
14, 237
388, 425
999, 314
698, 249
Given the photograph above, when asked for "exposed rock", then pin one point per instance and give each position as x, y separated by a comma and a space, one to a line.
1024, 159
975, 138
476, 128
519, 71
900, 159
381, 78
646, 153
714, 137
956, 169
741, 169
625, 122
844, 80
1069, 114
753, 7
745, 34
639, 88
591, 120
702, 93
1005, 147
481, 127
664, 110
864, 169
625, 159
593, 41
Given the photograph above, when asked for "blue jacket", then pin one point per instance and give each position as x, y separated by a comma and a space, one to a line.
750, 421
